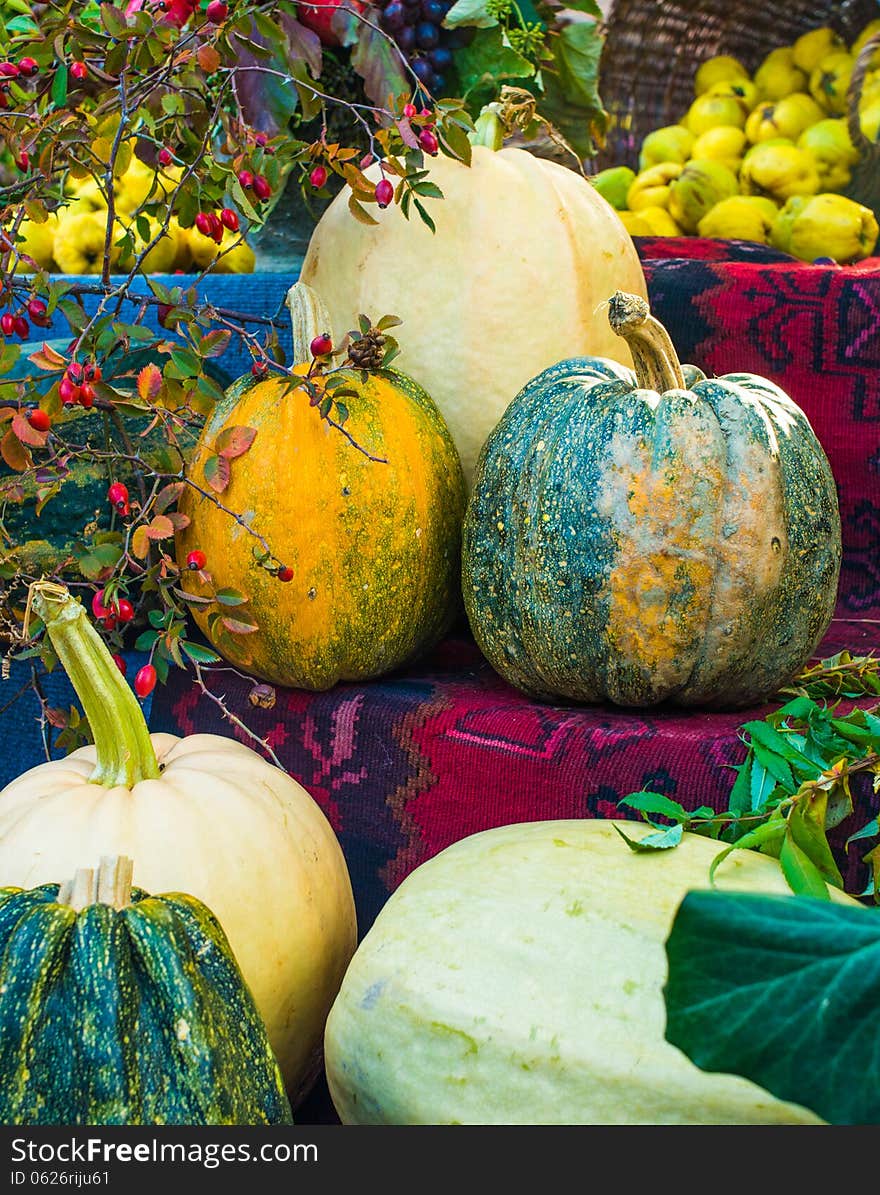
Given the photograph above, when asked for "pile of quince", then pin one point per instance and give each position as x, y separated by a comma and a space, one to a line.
761, 158
71, 240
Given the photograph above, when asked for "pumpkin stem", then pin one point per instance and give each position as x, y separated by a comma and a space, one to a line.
109, 885
309, 318
488, 129
122, 739
655, 360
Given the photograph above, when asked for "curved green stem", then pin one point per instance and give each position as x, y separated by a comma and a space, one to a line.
655, 360
122, 739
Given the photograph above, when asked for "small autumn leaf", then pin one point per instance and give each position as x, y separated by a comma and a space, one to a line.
140, 542
161, 527
46, 358
237, 627
167, 495
208, 58
217, 473
234, 442
27, 434
178, 520
14, 452
149, 382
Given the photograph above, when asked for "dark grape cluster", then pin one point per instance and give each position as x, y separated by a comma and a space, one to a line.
417, 27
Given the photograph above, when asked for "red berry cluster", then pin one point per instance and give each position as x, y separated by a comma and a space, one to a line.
77, 384
14, 325
117, 496
25, 68
256, 183
110, 614
212, 224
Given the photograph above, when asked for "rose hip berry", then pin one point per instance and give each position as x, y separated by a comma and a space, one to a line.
23, 161
259, 369
145, 680
28, 67
99, 610
217, 12
285, 573
384, 192
229, 219
87, 394
318, 177
22, 327
120, 663
79, 70
124, 610
8, 70
246, 179
37, 312
321, 345
39, 420
409, 111
165, 157
262, 190
428, 142
68, 391
7, 323
117, 495
205, 224
196, 560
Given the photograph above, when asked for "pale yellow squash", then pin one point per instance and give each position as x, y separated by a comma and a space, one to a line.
516, 978
525, 254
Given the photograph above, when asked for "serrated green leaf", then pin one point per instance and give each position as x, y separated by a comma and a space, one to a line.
490, 59
662, 840
801, 873
651, 802
469, 12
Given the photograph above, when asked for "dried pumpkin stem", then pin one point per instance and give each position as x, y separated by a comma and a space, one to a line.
122, 739
655, 360
109, 885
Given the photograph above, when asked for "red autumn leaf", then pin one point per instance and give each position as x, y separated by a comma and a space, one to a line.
167, 495
217, 473
234, 441
57, 718
26, 433
178, 520
46, 358
208, 58
149, 383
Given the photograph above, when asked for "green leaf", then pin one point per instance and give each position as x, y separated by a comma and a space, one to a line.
648, 802
662, 840
469, 12
490, 59
761, 836
58, 90
801, 873
426, 219
783, 990
806, 824
201, 655
230, 597
571, 80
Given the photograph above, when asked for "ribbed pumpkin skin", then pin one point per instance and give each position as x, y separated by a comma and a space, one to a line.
135, 1016
525, 253
516, 978
639, 548
375, 548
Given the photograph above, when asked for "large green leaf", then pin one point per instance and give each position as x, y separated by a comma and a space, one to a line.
571, 86
784, 990
489, 58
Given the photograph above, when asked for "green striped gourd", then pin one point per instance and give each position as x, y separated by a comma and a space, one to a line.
117, 1007
650, 537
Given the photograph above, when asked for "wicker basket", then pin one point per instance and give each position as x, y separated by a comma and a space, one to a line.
653, 48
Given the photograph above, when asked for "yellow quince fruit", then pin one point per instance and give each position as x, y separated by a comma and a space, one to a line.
830, 80
724, 144
79, 241
232, 256
651, 186
635, 224
871, 30
710, 111
613, 184
810, 48
136, 186
835, 155
780, 234
740, 218
777, 76
659, 221
672, 143
701, 184
779, 171
869, 121
787, 117
832, 226
743, 90
719, 69
37, 242
161, 257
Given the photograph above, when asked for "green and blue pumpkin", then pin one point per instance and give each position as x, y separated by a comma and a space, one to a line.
650, 536
117, 1007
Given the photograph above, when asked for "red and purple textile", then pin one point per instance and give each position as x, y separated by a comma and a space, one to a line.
408, 764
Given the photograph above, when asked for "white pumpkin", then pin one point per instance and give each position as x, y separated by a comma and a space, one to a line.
516, 978
204, 815
525, 254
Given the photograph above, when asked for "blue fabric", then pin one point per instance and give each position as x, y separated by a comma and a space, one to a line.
252, 294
